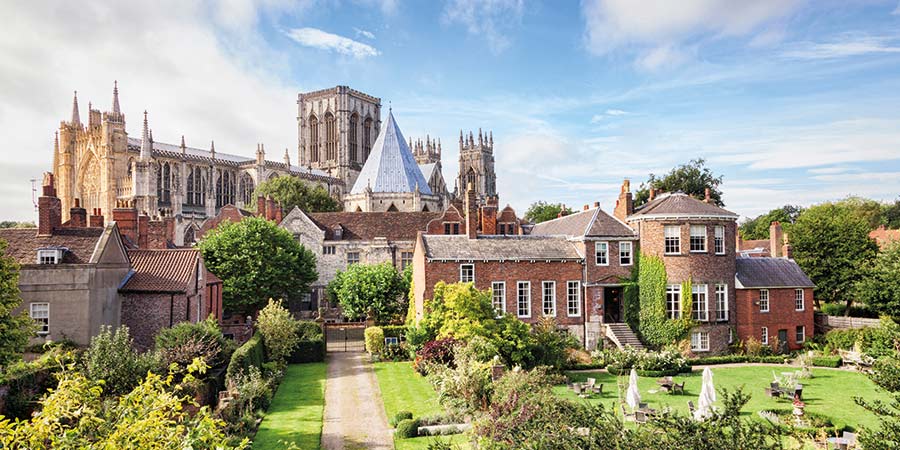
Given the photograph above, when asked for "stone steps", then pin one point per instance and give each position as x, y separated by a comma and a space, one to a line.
623, 336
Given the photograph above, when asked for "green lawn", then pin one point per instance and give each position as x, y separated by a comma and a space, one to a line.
296, 411
403, 389
829, 392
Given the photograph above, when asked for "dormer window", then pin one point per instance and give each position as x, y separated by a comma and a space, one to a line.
49, 255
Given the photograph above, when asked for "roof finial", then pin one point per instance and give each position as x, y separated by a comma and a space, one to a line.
146, 146
212, 149
115, 105
76, 118
183, 147
390, 108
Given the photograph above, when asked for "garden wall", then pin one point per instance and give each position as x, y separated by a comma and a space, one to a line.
826, 323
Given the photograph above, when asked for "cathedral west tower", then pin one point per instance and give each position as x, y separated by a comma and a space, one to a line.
476, 166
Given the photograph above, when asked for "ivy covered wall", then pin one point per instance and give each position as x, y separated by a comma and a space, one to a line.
655, 329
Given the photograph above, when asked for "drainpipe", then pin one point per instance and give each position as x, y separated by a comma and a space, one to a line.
584, 311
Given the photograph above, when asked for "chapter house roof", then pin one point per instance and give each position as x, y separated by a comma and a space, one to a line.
366, 226
591, 222
679, 205
493, 248
169, 271
757, 273
391, 166
79, 243
427, 170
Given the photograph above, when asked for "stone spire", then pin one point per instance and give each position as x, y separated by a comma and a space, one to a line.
460, 139
491, 138
146, 146
115, 102
212, 149
287, 158
480, 138
76, 118
183, 147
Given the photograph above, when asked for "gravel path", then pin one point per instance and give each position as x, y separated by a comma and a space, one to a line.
354, 416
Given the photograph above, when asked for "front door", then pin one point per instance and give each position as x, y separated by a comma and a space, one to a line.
782, 341
612, 304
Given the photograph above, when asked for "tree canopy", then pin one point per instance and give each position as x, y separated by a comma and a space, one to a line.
541, 211
292, 191
15, 329
833, 247
376, 287
257, 260
692, 178
880, 289
758, 227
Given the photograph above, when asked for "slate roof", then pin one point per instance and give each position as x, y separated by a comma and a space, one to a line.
25, 242
427, 170
391, 166
770, 273
366, 226
461, 248
592, 222
169, 271
679, 204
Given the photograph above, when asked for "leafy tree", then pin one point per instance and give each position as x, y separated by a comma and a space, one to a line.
867, 209
887, 435
15, 329
14, 224
112, 358
541, 211
833, 247
376, 287
257, 260
185, 342
692, 178
292, 191
758, 227
892, 215
279, 330
880, 288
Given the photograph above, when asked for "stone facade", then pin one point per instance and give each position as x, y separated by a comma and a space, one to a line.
476, 165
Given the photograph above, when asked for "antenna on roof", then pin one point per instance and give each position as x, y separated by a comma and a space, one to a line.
34, 193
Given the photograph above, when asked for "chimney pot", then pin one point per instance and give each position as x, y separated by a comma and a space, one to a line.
586, 207
652, 194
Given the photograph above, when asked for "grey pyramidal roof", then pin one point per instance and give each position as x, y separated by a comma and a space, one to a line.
770, 273
391, 166
677, 204
590, 222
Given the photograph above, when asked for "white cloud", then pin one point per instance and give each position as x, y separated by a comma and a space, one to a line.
847, 45
897, 10
316, 38
616, 112
364, 33
597, 118
492, 19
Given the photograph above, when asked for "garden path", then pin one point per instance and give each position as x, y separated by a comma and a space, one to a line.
354, 416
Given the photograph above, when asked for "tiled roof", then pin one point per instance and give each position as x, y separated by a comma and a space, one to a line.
460, 247
884, 236
678, 204
592, 222
366, 226
25, 242
759, 247
770, 273
391, 166
161, 270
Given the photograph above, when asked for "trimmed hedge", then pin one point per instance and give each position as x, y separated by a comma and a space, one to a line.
407, 428
591, 366
252, 353
400, 417
732, 359
827, 361
616, 370
397, 331
374, 340
657, 373
307, 351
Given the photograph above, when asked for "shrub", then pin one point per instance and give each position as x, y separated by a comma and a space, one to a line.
438, 352
416, 337
27, 382
251, 354
551, 345
754, 347
400, 416
374, 337
397, 331
668, 362
843, 339
309, 330
112, 358
307, 351
732, 359
185, 341
407, 428
467, 386
886, 373
279, 330
826, 361
395, 352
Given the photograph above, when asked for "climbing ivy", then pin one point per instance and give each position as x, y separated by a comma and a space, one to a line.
654, 327
631, 296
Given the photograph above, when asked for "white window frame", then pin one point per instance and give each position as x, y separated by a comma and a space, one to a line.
626, 248
498, 296
605, 253
573, 298
799, 300
357, 259
719, 240
548, 301
52, 256
700, 302
800, 333
700, 341
698, 235
462, 270
43, 322
721, 302
673, 290
764, 300
673, 233
765, 335
523, 293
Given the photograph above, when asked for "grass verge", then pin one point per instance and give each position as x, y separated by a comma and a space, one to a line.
295, 415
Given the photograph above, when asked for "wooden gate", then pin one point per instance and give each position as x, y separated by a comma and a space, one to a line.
345, 337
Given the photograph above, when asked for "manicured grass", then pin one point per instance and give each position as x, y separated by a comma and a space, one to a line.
830, 392
402, 389
296, 411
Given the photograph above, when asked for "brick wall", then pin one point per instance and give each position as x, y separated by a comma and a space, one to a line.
145, 314
782, 315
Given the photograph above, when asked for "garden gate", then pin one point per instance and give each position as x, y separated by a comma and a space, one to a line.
345, 337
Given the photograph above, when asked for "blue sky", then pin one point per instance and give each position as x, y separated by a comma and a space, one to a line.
792, 101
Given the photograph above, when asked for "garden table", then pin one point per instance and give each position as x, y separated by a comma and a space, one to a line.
839, 442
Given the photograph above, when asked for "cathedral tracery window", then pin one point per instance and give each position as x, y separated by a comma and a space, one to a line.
224, 188
246, 189
353, 137
313, 139
330, 138
367, 138
166, 188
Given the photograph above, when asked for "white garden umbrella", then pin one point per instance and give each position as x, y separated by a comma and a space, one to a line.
633, 395
707, 396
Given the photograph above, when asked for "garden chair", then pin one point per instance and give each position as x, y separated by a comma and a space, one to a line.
591, 382
577, 388
677, 388
640, 417
597, 389
691, 407
851, 439
629, 417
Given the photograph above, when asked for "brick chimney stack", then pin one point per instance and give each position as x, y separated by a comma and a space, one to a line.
261, 206
270, 208
786, 249
706, 195
126, 217
625, 203
96, 218
49, 207
489, 219
471, 212
652, 194
776, 240
77, 215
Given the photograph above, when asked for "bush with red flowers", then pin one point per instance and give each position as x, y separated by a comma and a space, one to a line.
435, 352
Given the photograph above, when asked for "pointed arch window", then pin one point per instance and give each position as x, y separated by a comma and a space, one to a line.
159, 169
166, 196
367, 138
330, 138
313, 139
353, 137
189, 198
246, 189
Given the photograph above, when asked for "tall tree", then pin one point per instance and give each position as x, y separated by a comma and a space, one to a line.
692, 178
867, 209
880, 289
833, 247
542, 211
257, 260
758, 227
292, 191
892, 215
378, 288
15, 329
